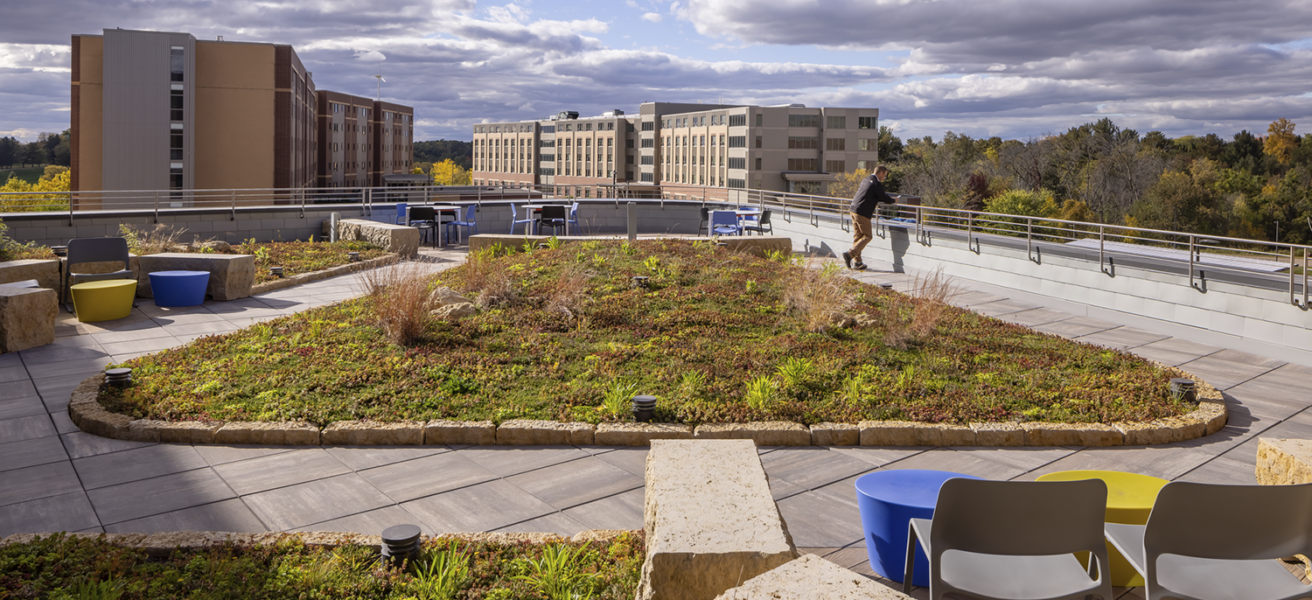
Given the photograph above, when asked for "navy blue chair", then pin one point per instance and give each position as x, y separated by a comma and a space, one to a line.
762, 226
553, 217
725, 222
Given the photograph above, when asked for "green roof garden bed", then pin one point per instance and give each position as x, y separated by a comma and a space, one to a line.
570, 333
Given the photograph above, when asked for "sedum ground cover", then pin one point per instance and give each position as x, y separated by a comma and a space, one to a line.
61, 567
717, 336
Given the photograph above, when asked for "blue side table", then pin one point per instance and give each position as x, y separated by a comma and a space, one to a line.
179, 288
888, 501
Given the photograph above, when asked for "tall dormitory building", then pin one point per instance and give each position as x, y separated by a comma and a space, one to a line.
681, 147
155, 111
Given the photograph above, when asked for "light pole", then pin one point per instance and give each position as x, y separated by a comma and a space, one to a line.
380, 86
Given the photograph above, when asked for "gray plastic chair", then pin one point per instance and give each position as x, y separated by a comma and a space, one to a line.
1209, 542
89, 250
1014, 539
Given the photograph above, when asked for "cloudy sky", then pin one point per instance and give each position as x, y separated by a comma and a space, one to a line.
1012, 68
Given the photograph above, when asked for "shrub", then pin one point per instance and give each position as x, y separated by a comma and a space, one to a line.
817, 296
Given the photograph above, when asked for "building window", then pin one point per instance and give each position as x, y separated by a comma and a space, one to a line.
758, 141
864, 144
802, 164
836, 144
760, 119
803, 143
647, 143
175, 105
175, 144
177, 62
738, 141
803, 120
758, 163
867, 122
648, 125
835, 166
737, 183
861, 165
646, 177
737, 163
175, 178
836, 122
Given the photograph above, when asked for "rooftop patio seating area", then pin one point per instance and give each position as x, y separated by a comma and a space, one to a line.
59, 478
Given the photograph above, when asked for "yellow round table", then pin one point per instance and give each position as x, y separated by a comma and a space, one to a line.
1130, 498
103, 300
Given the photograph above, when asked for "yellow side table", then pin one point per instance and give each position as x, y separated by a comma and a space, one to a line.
1130, 498
103, 300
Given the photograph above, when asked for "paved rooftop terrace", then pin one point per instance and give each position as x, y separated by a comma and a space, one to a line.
53, 477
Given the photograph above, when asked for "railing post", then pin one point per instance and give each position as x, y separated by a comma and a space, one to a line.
234, 206
1029, 237
70, 209
1306, 264
1192, 260
156, 206
1291, 277
302, 194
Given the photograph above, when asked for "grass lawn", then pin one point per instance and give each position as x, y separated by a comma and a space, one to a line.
28, 174
719, 337
59, 568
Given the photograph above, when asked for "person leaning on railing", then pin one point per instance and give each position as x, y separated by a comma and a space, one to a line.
867, 199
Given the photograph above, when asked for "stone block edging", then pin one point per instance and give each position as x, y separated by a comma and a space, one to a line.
163, 543
294, 280
87, 413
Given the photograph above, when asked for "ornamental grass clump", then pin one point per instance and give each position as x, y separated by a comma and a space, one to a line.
817, 296
142, 241
399, 293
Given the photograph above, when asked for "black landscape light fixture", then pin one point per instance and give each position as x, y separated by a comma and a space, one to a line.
644, 408
59, 250
400, 542
885, 286
276, 272
641, 281
120, 377
544, 246
353, 256
1184, 388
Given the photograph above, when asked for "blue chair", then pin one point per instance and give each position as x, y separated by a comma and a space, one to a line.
573, 219
515, 220
724, 222
467, 223
400, 214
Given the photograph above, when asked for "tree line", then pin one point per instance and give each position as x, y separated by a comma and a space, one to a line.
48, 149
1247, 187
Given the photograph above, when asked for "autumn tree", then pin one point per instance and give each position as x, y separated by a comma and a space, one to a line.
448, 172
844, 185
1280, 140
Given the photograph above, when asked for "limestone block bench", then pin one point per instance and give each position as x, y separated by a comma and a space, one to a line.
231, 275
27, 315
811, 577
45, 272
1283, 462
401, 239
711, 522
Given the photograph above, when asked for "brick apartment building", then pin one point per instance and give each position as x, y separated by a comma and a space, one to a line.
668, 147
165, 111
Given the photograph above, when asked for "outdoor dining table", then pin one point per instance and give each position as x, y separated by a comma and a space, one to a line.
535, 207
743, 212
440, 208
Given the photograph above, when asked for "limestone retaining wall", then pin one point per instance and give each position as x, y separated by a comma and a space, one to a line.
90, 416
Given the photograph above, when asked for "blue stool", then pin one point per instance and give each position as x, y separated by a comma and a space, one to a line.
888, 501
179, 288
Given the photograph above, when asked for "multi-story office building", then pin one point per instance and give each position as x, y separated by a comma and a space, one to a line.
165, 111
667, 147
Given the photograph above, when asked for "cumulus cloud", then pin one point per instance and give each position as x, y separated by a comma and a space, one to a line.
1014, 68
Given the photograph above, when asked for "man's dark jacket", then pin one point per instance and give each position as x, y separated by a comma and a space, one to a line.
868, 196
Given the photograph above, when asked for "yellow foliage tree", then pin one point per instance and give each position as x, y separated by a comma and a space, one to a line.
43, 196
448, 172
845, 184
1280, 140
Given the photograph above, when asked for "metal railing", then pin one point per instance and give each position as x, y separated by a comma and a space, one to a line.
1258, 258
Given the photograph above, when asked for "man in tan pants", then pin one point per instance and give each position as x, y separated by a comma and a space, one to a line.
867, 199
